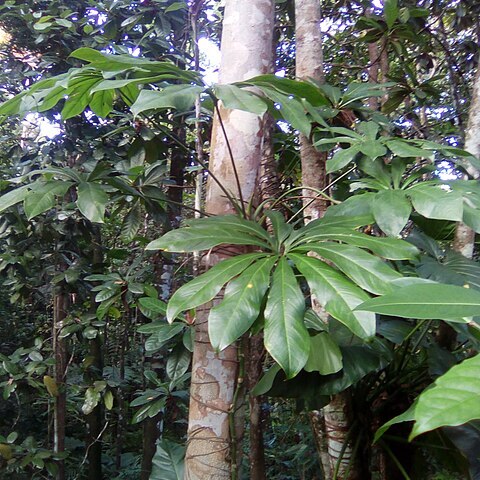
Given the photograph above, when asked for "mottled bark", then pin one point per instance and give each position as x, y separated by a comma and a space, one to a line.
246, 52
309, 65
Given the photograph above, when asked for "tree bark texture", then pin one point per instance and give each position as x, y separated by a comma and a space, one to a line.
309, 65
245, 52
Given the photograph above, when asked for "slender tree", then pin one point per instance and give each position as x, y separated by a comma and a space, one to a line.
246, 50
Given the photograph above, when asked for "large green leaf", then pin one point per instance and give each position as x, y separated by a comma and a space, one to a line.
13, 197
78, 93
342, 158
428, 301
203, 237
436, 201
91, 201
233, 222
337, 294
286, 337
42, 197
203, 288
162, 334
454, 269
238, 98
390, 248
391, 210
454, 399
391, 11
291, 109
325, 355
241, 304
367, 271
168, 463
179, 97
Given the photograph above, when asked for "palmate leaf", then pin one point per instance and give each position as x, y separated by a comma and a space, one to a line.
241, 304
454, 399
337, 294
204, 288
367, 271
427, 301
286, 337
390, 248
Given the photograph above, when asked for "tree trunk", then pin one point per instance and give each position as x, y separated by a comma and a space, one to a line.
464, 240
60, 309
246, 51
309, 65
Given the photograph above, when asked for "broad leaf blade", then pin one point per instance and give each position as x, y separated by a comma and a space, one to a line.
13, 197
337, 294
91, 201
367, 271
286, 337
433, 201
168, 461
325, 355
385, 247
427, 301
391, 210
454, 399
240, 99
203, 288
241, 304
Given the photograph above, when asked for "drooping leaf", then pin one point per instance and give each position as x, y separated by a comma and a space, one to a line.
436, 201
132, 223
336, 293
92, 397
454, 399
286, 337
266, 382
41, 199
168, 463
203, 237
240, 305
391, 210
179, 97
325, 355
13, 197
454, 269
204, 288
385, 247
367, 271
51, 385
161, 336
342, 158
291, 109
92, 201
101, 102
237, 98
178, 362
108, 400
427, 301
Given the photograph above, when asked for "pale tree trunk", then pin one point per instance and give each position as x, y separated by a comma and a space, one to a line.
309, 65
464, 240
331, 426
245, 52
